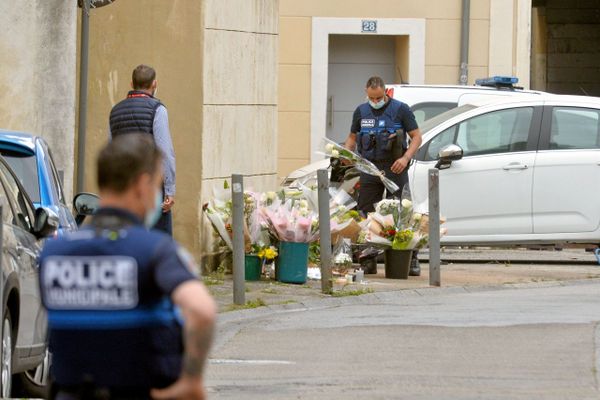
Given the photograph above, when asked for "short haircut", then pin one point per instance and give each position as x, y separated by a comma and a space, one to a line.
375, 82
143, 76
124, 159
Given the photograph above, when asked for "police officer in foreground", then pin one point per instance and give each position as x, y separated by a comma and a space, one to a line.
141, 112
128, 318
379, 133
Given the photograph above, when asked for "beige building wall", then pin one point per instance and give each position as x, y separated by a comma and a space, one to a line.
442, 55
37, 75
216, 64
240, 98
168, 36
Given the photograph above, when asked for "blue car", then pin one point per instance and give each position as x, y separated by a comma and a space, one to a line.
31, 160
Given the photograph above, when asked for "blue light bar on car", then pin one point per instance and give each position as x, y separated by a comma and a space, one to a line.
497, 81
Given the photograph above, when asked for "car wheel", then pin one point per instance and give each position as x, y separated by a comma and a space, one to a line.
6, 359
35, 382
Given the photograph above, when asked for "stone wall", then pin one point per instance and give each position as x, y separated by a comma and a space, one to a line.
573, 46
168, 36
240, 97
38, 75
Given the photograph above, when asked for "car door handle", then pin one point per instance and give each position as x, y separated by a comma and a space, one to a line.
515, 166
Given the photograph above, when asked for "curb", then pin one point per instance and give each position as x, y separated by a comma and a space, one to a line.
383, 297
524, 261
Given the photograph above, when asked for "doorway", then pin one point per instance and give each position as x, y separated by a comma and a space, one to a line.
352, 60
406, 34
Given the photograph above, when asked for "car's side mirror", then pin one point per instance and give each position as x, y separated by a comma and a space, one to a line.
85, 204
46, 223
452, 152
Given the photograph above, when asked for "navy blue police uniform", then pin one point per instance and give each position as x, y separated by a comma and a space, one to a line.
378, 132
112, 326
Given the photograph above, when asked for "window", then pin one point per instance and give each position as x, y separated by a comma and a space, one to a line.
25, 167
502, 131
496, 132
54, 176
23, 216
7, 215
425, 111
439, 142
575, 128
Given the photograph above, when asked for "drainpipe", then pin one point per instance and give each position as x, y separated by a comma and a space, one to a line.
464, 42
86, 6
83, 92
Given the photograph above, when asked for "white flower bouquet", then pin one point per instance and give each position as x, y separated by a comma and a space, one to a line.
334, 150
395, 225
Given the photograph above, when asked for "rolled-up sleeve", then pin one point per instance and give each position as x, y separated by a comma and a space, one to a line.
162, 137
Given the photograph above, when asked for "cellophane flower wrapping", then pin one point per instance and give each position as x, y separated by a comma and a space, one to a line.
218, 211
342, 256
291, 221
395, 224
334, 150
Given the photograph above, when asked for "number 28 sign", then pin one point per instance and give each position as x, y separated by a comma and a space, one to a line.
369, 26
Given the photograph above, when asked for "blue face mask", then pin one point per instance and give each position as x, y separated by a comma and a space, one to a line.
377, 105
153, 215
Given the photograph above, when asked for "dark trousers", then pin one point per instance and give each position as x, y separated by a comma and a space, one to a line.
165, 223
371, 187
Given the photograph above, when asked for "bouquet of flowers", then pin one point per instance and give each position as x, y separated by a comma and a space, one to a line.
342, 257
291, 221
395, 225
334, 150
218, 212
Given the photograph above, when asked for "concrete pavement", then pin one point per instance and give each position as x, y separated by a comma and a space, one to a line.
517, 343
465, 268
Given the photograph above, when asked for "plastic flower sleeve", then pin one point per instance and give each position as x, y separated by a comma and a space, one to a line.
377, 240
332, 149
342, 256
310, 195
340, 202
218, 224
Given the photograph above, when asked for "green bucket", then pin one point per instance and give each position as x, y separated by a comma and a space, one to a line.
253, 267
292, 264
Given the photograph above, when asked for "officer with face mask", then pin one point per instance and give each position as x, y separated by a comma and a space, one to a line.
127, 316
379, 133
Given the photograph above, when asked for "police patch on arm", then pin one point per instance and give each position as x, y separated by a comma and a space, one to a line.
89, 283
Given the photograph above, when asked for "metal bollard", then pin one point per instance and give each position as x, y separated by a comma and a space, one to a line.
237, 224
434, 228
325, 229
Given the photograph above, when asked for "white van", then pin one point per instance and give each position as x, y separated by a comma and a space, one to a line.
427, 101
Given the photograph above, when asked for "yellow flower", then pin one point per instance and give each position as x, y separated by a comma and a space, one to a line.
270, 254
261, 253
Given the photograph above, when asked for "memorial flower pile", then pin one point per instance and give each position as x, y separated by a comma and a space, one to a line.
394, 224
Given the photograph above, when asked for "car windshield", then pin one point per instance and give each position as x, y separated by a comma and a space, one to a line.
438, 119
25, 167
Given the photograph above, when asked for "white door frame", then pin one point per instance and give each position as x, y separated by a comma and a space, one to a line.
322, 28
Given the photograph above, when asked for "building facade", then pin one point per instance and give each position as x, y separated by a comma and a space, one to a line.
327, 54
38, 53
252, 86
216, 64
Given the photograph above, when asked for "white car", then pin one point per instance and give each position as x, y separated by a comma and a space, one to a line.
427, 101
529, 172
